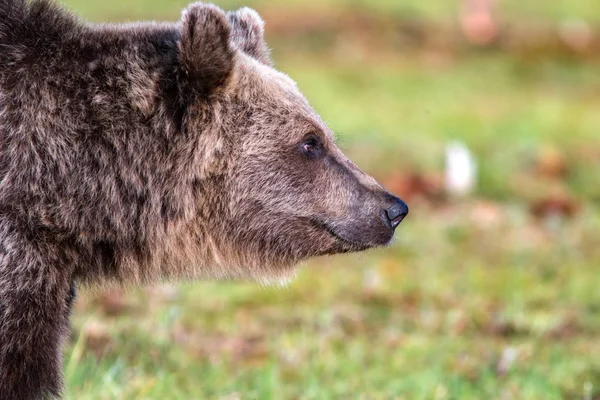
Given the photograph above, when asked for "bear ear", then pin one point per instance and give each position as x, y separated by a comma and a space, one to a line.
248, 34
206, 56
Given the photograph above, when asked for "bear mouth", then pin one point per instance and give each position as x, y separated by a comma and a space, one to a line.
347, 245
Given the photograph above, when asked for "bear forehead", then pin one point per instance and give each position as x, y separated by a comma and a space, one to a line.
280, 88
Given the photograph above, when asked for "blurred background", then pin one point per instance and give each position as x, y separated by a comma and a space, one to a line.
484, 116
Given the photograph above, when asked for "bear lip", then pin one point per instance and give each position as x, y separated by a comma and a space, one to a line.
354, 246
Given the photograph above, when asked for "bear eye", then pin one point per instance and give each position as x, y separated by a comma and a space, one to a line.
311, 146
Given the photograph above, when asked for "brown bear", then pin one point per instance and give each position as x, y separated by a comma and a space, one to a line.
145, 152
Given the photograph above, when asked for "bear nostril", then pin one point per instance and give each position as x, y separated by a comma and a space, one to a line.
396, 212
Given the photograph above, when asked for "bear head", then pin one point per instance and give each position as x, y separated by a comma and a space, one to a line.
277, 189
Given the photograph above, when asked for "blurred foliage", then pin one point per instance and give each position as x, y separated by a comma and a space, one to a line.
436, 9
491, 296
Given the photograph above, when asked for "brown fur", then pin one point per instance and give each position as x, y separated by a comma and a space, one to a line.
145, 152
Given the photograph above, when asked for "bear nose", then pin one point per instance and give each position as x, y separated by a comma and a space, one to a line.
396, 213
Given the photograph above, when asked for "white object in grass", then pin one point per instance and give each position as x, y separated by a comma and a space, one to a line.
461, 170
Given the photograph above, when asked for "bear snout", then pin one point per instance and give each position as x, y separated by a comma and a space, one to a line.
372, 223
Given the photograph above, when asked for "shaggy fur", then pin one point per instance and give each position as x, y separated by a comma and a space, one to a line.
137, 153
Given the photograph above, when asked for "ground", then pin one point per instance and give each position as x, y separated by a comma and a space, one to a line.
490, 296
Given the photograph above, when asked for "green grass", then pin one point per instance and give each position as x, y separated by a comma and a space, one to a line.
428, 318
467, 284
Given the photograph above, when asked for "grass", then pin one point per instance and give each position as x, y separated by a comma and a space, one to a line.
431, 317
477, 298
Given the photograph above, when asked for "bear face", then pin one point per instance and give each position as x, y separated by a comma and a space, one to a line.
286, 192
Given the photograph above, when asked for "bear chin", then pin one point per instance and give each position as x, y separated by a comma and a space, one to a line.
282, 278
